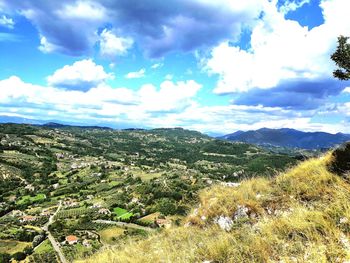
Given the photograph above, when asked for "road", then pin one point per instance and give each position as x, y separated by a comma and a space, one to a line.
55, 244
123, 224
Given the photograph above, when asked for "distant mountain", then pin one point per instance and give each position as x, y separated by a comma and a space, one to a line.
288, 138
19, 120
59, 125
51, 123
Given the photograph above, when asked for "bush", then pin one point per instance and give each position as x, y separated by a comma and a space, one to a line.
340, 163
5, 258
19, 256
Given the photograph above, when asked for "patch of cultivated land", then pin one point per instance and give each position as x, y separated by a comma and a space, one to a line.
11, 246
135, 176
111, 235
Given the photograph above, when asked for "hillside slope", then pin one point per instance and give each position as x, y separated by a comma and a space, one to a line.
299, 216
289, 138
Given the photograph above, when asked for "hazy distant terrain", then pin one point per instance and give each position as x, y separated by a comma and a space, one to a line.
289, 138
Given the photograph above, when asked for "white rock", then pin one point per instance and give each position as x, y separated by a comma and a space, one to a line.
343, 220
230, 184
241, 212
224, 222
188, 224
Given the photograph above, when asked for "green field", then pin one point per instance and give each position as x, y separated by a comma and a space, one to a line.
27, 199
44, 247
122, 214
12, 246
74, 212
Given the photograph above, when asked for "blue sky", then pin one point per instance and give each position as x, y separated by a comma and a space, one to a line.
213, 66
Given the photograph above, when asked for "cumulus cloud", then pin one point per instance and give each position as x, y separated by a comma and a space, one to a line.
82, 75
170, 97
67, 27
289, 5
6, 22
281, 50
101, 102
82, 10
136, 74
169, 105
158, 27
298, 94
111, 45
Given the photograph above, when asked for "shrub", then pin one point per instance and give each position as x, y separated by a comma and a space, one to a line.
340, 163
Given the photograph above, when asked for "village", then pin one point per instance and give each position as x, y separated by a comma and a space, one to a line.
69, 192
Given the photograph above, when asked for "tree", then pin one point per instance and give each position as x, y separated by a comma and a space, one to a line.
341, 57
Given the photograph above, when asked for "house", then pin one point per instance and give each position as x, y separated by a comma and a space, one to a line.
96, 205
45, 213
89, 197
86, 243
134, 200
70, 203
28, 219
29, 187
55, 186
59, 155
16, 213
104, 211
71, 240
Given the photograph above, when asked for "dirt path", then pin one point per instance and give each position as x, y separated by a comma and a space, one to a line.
55, 244
123, 224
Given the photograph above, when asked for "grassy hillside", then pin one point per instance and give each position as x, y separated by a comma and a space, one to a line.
299, 216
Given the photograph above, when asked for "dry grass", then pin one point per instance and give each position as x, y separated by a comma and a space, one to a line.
302, 215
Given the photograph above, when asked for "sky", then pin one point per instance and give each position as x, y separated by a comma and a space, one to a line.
212, 66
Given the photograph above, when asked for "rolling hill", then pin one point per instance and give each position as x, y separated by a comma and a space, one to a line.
301, 215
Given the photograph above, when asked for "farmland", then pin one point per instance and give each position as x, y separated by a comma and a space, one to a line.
65, 180
110, 235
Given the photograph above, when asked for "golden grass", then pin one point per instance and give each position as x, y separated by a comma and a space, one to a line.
108, 234
302, 215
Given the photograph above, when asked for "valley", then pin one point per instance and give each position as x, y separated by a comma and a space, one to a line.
67, 192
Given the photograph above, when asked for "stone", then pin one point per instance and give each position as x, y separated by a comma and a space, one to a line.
241, 213
224, 222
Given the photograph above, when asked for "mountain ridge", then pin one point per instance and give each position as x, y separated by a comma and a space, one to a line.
290, 138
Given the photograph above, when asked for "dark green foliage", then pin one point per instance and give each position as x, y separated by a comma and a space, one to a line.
19, 256
341, 57
341, 160
5, 258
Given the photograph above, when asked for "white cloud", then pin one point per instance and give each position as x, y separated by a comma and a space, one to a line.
83, 10
46, 46
169, 105
82, 75
169, 76
7, 22
136, 74
111, 45
281, 49
139, 107
171, 96
157, 65
346, 90
289, 6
